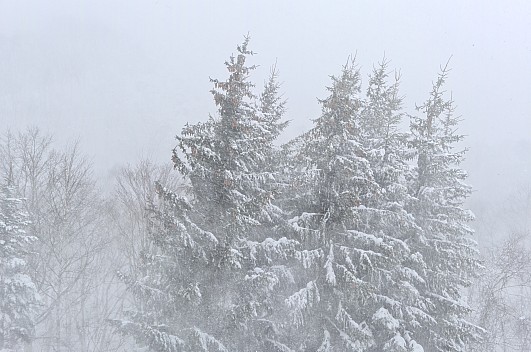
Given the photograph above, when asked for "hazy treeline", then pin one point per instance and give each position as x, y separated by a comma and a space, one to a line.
94, 257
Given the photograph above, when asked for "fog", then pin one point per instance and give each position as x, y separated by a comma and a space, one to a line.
124, 77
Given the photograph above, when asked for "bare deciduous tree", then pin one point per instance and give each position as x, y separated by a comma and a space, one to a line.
134, 191
69, 220
502, 298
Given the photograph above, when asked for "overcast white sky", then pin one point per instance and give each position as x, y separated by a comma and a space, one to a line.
124, 76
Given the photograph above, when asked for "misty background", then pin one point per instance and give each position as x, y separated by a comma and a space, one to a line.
124, 77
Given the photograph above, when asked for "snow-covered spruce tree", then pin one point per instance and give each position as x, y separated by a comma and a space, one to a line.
449, 253
18, 294
213, 278
331, 181
357, 277
386, 145
399, 311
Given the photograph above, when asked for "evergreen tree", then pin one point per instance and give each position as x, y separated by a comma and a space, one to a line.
450, 255
216, 264
386, 144
228, 161
18, 294
358, 278
332, 185
396, 301
272, 109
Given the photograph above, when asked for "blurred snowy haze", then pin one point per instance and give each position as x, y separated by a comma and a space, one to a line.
125, 76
